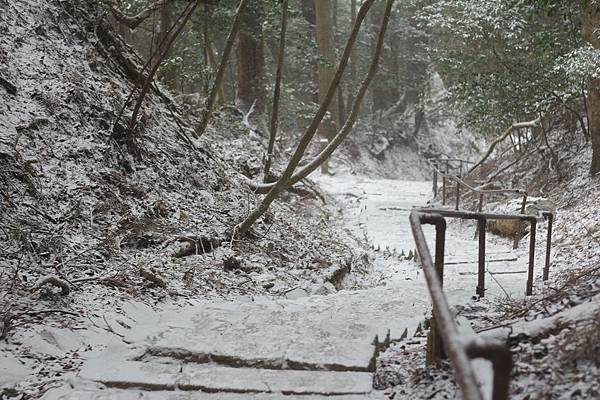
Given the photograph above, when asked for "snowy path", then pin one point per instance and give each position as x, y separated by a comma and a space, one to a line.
378, 210
312, 347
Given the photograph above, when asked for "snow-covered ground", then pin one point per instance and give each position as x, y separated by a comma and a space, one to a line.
378, 210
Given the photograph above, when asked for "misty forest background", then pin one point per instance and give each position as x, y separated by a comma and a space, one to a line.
501, 61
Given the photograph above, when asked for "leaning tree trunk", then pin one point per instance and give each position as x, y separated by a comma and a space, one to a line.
212, 97
308, 135
354, 111
590, 18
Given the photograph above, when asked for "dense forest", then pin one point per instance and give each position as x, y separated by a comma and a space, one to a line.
501, 62
299, 199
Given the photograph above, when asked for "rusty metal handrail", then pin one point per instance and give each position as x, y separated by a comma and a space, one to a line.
459, 181
443, 326
482, 219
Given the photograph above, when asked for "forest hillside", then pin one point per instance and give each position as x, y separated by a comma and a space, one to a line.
216, 199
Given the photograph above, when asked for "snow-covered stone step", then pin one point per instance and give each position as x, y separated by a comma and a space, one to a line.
67, 393
214, 378
336, 332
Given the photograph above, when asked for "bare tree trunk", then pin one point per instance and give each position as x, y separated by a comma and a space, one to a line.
326, 63
160, 55
590, 18
209, 53
341, 106
309, 92
353, 58
356, 105
308, 135
251, 90
210, 101
385, 91
277, 90
166, 20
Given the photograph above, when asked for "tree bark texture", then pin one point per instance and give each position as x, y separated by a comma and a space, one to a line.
251, 88
166, 20
276, 92
590, 18
326, 62
385, 91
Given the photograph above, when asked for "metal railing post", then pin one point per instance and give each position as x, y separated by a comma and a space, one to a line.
481, 224
550, 217
501, 359
435, 346
457, 195
519, 234
444, 189
479, 209
435, 179
529, 290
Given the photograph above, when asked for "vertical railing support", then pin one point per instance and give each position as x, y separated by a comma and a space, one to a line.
481, 224
457, 195
519, 234
444, 189
550, 217
529, 290
435, 346
501, 359
435, 179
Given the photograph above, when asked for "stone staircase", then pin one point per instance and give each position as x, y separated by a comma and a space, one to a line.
309, 348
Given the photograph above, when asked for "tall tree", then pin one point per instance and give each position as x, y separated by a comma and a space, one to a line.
590, 21
251, 86
353, 58
326, 63
352, 116
309, 133
385, 91
169, 73
277, 91
212, 97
